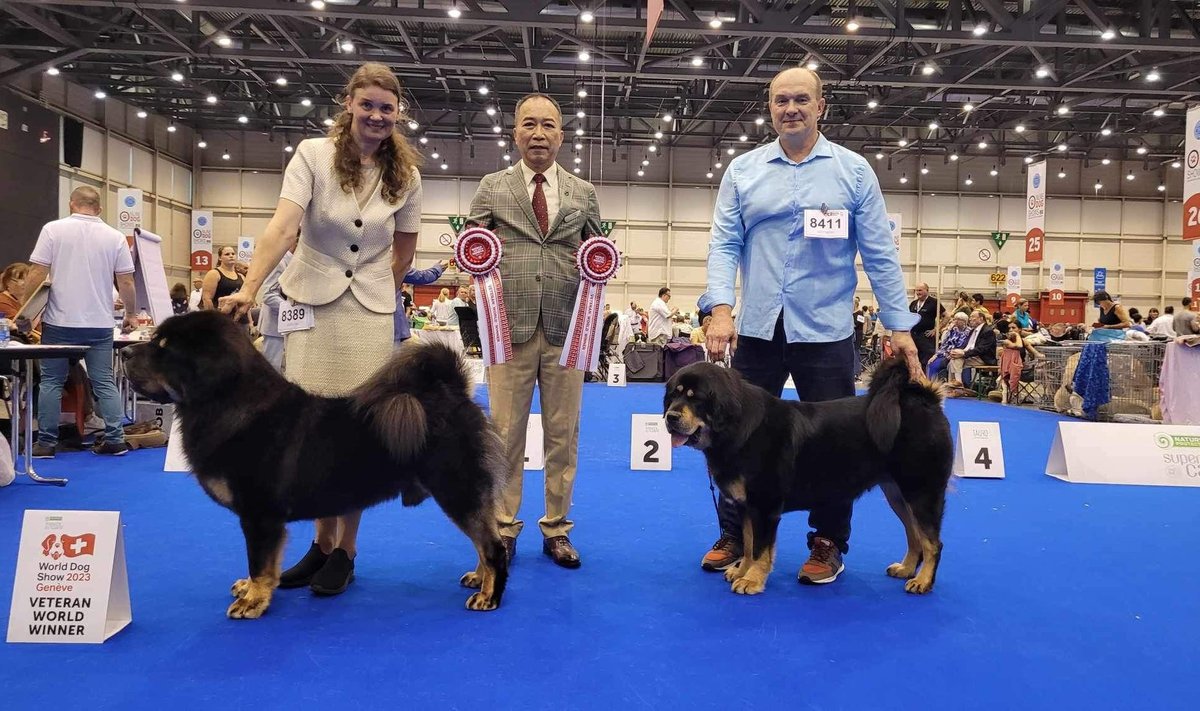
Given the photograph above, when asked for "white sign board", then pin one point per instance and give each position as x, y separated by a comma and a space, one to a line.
1012, 282
129, 210
71, 584
535, 453
202, 234
478, 371
895, 222
150, 276
176, 461
1120, 453
650, 444
245, 249
1035, 212
1058, 280
161, 415
1191, 174
977, 452
616, 375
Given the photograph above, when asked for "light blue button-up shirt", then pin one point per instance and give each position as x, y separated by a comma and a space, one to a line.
758, 224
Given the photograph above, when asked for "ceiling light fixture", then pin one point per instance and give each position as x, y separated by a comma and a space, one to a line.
968, 107
497, 129
202, 143
484, 90
871, 103
445, 166
1019, 128
759, 121
454, 11
281, 81
586, 16
812, 65
52, 71
1099, 185
576, 169
1175, 164
579, 132
142, 114
423, 140
878, 156
1153, 75
667, 117
1042, 72
1141, 151
933, 125
1062, 147
507, 157
697, 61
211, 98
953, 156
435, 155
224, 41
171, 128
243, 119
413, 125
1106, 131
904, 178
318, 4
584, 55
852, 25
927, 69
1129, 176
176, 76
579, 146
902, 142
982, 145
743, 138
288, 148
968, 181
100, 94
1062, 173
1159, 112
328, 122
653, 149
578, 160
708, 175
718, 165
490, 111
1105, 161
730, 150
1107, 34
641, 172
1028, 160
502, 143
306, 102
1064, 110
924, 169
980, 30
658, 135
225, 155
715, 23
1162, 188
993, 172
582, 93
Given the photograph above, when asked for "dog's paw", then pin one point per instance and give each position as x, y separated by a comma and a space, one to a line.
899, 570
917, 586
245, 608
471, 579
239, 587
481, 603
748, 586
734, 571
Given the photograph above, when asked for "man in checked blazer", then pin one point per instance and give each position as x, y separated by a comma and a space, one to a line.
542, 214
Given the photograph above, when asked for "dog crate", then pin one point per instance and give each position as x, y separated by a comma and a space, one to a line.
1133, 371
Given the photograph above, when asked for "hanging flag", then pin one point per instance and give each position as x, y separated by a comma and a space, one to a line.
1035, 212
202, 231
1191, 175
1058, 279
1013, 286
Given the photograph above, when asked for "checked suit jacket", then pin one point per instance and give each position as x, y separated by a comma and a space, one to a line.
537, 270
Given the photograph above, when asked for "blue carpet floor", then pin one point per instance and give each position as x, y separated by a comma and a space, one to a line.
1050, 596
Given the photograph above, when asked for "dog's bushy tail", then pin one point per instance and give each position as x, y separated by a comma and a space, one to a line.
391, 400
889, 382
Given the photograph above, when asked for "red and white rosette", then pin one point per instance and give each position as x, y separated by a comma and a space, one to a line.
597, 261
478, 253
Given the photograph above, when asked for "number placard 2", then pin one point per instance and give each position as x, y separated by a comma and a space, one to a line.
978, 453
649, 444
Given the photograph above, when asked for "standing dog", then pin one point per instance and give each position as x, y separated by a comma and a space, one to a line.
774, 456
273, 453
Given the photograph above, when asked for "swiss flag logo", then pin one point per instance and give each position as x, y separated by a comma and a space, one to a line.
69, 546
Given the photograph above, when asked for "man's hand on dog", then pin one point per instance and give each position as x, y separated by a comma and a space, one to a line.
238, 303
903, 344
722, 335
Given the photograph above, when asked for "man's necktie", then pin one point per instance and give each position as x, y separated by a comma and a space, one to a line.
539, 204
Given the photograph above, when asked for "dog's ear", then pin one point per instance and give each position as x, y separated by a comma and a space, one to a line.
725, 402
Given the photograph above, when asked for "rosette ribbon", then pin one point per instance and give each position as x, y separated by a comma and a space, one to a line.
478, 253
597, 261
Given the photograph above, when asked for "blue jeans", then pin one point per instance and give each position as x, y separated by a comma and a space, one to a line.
820, 371
99, 359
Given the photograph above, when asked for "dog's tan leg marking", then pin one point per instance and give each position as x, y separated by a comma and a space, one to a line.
907, 567
738, 569
754, 571
931, 551
483, 578
254, 593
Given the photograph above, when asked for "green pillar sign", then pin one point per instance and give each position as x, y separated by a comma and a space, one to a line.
457, 222
606, 226
1000, 238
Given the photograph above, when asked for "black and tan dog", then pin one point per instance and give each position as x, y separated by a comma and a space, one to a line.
775, 456
272, 453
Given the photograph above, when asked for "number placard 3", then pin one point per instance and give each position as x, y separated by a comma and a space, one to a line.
830, 224
649, 444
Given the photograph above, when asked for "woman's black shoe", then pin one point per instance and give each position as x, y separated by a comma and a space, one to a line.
335, 576
302, 573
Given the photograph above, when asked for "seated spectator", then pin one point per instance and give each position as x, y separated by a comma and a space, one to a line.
1163, 325
981, 344
700, 334
1137, 321
12, 281
955, 337
1023, 319
179, 299
1151, 315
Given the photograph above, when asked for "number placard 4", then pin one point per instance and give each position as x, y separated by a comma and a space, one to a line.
649, 444
978, 453
828, 224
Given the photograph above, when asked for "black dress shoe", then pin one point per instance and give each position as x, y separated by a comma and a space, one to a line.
335, 576
510, 547
301, 573
561, 551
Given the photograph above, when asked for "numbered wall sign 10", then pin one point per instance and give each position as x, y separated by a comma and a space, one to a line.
978, 453
649, 444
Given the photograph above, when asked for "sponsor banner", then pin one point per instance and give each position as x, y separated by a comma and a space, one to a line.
1100, 279
129, 210
1122, 453
202, 236
1035, 212
71, 584
1191, 175
1012, 281
1058, 278
1194, 273
896, 224
245, 249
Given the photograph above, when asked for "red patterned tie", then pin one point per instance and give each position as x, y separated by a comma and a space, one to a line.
539, 203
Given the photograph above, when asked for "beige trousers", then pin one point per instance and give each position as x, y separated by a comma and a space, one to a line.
510, 394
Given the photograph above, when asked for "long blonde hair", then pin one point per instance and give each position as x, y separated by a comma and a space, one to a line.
395, 157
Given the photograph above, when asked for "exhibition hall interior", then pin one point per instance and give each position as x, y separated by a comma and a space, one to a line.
549, 359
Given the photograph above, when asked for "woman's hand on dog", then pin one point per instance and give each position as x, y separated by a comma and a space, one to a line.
238, 304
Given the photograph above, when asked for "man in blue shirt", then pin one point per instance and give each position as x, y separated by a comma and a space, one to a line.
792, 215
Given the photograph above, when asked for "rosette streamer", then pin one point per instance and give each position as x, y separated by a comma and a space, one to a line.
478, 253
597, 261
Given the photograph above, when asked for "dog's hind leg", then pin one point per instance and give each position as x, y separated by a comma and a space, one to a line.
906, 568
927, 508
264, 553
491, 575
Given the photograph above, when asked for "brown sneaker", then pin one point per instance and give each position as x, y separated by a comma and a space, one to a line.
724, 553
824, 563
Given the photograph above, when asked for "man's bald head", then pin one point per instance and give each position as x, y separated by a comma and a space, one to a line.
85, 199
797, 72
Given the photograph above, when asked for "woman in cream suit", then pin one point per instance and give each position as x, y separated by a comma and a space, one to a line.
358, 193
